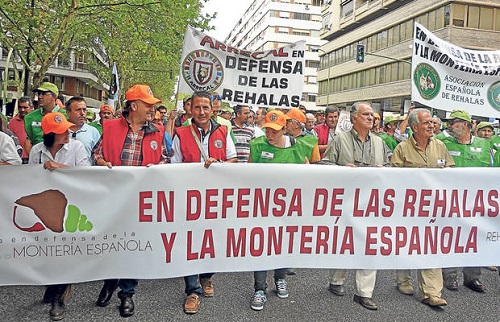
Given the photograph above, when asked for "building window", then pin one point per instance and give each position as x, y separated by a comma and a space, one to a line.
486, 18
301, 16
458, 15
346, 8
473, 17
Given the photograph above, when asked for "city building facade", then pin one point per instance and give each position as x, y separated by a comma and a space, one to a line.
71, 72
270, 24
385, 28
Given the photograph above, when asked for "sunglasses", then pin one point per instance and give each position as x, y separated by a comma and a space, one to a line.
216, 97
44, 93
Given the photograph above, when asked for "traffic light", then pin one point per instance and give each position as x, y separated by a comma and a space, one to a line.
360, 53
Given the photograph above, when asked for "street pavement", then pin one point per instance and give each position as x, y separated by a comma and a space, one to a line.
309, 300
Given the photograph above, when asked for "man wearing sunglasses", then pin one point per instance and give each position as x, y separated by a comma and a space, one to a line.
47, 96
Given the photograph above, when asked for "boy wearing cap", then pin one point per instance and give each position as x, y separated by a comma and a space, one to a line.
57, 151
295, 126
485, 130
131, 140
106, 112
467, 151
275, 147
47, 96
390, 124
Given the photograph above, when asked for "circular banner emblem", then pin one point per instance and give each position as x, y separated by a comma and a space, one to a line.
153, 145
202, 71
218, 143
427, 81
273, 117
494, 95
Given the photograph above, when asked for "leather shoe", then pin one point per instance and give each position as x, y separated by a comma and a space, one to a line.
434, 301
126, 305
450, 282
106, 293
57, 310
337, 289
366, 302
476, 285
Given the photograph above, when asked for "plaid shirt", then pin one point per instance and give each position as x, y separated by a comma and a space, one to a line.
132, 147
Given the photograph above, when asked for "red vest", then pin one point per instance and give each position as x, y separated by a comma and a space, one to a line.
322, 130
216, 142
114, 133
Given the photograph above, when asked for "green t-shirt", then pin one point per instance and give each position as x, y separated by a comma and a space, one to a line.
263, 152
33, 124
389, 140
475, 154
495, 142
97, 125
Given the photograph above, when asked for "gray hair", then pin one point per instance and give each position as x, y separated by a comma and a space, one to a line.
309, 115
331, 109
413, 116
355, 107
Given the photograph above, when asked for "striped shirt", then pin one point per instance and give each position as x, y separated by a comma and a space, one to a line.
243, 135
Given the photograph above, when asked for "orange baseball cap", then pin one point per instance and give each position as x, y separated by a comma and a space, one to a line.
276, 120
55, 122
106, 108
296, 114
143, 93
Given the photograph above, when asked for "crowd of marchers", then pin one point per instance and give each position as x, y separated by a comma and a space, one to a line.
143, 133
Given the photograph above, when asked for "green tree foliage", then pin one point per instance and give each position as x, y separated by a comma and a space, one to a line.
143, 37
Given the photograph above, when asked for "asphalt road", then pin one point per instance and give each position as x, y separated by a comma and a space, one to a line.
309, 300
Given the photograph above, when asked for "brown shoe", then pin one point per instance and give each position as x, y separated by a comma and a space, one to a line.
207, 287
192, 304
434, 301
366, 302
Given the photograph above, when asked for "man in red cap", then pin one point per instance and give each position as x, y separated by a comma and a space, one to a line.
105, 113
131, 140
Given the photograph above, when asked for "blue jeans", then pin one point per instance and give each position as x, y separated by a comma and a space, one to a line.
192, 283
127, 286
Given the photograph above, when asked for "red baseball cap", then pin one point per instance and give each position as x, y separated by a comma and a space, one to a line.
296, 114
106, 108
55, 122
143, 93
275, 120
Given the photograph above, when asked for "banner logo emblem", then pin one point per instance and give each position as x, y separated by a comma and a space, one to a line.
202, 71
49, 208
427, 81
494, 95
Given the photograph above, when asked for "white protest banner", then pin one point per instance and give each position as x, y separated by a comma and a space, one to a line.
91, 223
270, 78
448, 77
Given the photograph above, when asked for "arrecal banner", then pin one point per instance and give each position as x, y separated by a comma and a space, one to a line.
271, 78
448, 77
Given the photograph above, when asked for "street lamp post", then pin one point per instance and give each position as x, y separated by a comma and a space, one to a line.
328, 79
